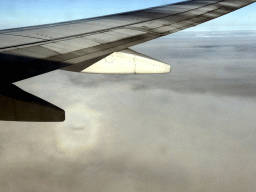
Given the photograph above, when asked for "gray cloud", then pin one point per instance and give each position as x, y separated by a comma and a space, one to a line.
147, 141
192, 83
190, 130
220, 65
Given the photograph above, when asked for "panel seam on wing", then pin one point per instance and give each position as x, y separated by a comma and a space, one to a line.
25, 36
100, 31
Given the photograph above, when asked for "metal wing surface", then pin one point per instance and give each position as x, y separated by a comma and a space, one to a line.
78, 41
75, 45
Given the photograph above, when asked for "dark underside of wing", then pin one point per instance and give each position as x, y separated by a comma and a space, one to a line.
74, 46
18, 105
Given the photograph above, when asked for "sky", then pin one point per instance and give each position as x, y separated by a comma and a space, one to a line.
189, 130
18, 13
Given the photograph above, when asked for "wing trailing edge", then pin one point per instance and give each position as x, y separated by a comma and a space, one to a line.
128, 62
18, 105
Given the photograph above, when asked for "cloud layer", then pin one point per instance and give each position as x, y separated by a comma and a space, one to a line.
190, 130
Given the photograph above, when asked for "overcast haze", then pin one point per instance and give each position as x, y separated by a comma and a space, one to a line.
190, 130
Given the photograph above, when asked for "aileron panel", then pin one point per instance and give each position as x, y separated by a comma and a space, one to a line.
70, 45
10, 40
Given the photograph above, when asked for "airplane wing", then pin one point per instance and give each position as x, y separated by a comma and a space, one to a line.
90, 46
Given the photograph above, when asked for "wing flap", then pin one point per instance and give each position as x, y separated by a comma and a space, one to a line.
33, 52
70, 45
18, 105
128, 62
12, 41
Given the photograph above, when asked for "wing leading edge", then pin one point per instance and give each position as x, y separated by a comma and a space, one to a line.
76, 45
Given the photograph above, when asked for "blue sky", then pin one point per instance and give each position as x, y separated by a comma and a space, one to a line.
18, 13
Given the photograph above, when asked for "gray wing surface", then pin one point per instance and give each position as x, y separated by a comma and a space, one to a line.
75, 45
75, 42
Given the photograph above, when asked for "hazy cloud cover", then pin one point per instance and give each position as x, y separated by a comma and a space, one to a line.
190, 130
